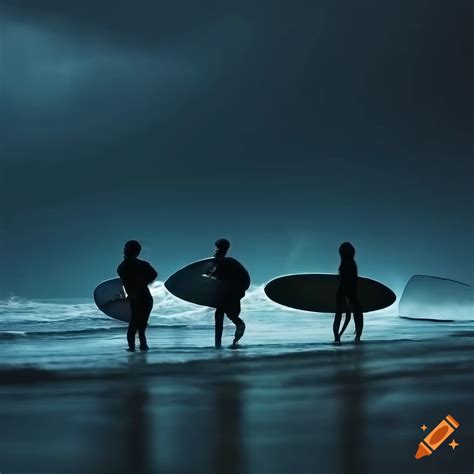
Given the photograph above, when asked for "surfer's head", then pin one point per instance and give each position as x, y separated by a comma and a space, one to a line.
346, 250
132, 249
222, 247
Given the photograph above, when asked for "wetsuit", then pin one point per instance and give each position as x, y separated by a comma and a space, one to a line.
136, 275
237, 281
347, 293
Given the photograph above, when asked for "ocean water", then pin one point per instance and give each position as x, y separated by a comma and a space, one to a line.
72, 336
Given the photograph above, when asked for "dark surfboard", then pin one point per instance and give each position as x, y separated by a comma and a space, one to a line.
190, 284
317, 292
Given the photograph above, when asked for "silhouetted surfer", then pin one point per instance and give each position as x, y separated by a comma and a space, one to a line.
347, 293
136, 275
237, 281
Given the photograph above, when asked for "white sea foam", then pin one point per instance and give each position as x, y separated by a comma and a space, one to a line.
167, 309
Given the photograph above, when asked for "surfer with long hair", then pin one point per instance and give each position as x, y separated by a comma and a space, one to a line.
346, 296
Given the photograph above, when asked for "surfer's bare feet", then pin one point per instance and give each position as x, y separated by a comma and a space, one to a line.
131, 349
357, 339
144, 347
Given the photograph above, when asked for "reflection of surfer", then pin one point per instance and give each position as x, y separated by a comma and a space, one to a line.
347, 293
136, 275
236, 282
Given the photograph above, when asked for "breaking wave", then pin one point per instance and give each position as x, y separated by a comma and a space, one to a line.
39, 316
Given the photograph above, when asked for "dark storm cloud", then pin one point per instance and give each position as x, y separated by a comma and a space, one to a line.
334, 70
145, 25
242, 82
275, 109
412, 57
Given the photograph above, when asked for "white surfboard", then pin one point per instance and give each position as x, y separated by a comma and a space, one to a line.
437, 299
111, 299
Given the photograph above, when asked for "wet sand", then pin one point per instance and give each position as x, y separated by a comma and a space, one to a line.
354, 409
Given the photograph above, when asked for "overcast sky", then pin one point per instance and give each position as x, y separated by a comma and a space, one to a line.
286, 126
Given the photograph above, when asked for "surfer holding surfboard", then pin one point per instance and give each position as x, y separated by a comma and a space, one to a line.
347, 293
236, 281
136, 275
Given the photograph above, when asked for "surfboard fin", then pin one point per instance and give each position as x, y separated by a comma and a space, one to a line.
346, 322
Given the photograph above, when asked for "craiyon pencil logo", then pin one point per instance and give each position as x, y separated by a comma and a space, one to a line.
437, 437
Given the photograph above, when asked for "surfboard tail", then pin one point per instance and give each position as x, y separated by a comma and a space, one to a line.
346, 323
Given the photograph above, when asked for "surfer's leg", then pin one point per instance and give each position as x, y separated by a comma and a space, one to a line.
233, 312
144, 315
338, 315
142, 337
132, 331
358, 317
141, 334
359, 324
346, 323
335, 325
219, 319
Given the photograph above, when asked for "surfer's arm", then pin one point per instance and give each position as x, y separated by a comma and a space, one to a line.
246, 279
212, 272
242, 276
212, 277
151, 275
120, 271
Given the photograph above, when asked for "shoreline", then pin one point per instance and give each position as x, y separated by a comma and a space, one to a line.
147, 364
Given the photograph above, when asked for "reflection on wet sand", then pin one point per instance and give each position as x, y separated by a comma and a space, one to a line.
305, 413
228, 443
127, 438
208, 432
351, 392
